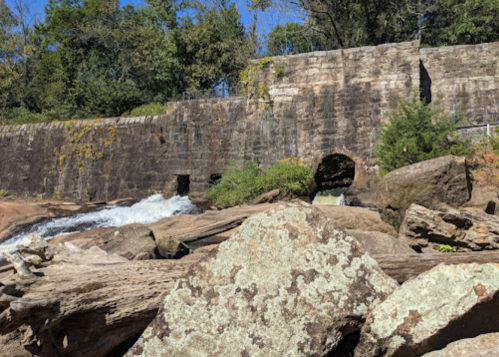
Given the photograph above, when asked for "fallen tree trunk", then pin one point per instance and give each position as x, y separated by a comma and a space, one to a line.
407, 266
82, 303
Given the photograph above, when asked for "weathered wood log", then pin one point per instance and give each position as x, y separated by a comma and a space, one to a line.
83, 303
408, 266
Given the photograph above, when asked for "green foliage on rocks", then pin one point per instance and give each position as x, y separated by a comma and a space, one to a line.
147, 109
241, 185
417, 131
444, 248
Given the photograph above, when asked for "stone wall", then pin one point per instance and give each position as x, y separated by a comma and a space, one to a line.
466, 78
323, 103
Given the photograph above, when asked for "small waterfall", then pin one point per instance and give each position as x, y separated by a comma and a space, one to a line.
330, 197
146, 211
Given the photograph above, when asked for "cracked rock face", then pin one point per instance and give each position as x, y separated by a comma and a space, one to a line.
289, 283
445, 304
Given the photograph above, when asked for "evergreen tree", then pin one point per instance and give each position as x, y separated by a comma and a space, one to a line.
417, 131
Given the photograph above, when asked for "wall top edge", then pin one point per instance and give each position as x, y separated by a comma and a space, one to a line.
96, 122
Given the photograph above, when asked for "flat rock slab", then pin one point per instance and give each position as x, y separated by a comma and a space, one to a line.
481, 346
380, 243
289, 283
445, 304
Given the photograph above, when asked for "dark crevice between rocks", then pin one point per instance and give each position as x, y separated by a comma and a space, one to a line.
424, 83
335, 171
183, 183
346, 346
122, 348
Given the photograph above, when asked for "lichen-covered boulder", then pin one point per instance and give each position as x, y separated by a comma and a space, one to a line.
480, 346
443, 305
288, 283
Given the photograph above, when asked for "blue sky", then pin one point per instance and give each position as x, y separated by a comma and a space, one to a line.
266, 21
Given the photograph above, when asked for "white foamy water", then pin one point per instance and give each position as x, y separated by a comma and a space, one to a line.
330, 197
147, 211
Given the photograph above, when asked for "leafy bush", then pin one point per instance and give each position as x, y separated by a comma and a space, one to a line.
444, 248
147, 109
22, 116
241, 185
416, 132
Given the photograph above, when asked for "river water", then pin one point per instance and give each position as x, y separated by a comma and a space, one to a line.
146, 211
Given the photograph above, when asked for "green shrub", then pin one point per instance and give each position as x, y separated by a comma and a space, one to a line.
4, 192
22, 116
147, 109
444, 248
416, 132
242, 185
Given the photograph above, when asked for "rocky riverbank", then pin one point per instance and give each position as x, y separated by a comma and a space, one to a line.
271, 279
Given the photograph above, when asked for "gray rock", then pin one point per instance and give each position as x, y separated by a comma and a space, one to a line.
428, 183
380, 243
445, 304
480, 346
289, 283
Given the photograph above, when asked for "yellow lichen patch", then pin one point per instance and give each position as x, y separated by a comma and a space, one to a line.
86, 143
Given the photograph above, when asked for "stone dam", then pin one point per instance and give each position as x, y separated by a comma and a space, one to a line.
322, 104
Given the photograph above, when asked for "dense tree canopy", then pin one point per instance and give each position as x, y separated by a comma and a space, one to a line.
91, 58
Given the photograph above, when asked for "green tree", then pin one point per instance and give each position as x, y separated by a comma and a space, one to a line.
454, 22
417, 131
293, 38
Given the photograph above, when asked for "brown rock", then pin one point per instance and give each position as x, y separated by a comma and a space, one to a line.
266, 197
133, 241
171, 247
14, 215
428, 183
468, 229
445, 304
485, 199
380, 243
357, 218
83, 303
11, 345
290, 282
189, 228
480, 346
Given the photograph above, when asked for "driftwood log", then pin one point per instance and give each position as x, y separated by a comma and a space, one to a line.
81, 303
408, 266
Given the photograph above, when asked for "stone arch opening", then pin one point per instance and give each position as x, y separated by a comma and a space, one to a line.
335, 171
183, 185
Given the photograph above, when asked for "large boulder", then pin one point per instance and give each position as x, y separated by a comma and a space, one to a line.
380, 243
444, 180
289, 283
469, 229
445, 304
480, 346
133, 241
360, 219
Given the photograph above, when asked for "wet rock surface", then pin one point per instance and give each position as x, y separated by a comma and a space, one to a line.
443, 305
290, 282
428, 183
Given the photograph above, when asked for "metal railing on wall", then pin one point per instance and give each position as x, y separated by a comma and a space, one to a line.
215, 93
